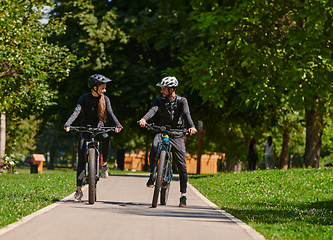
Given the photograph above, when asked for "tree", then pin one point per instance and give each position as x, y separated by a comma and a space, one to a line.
29, 64
279, 52
111, 35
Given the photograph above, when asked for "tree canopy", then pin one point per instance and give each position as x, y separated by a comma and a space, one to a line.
248, 68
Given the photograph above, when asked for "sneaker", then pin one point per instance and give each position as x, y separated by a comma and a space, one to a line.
150, 182
182, 201
104, 173
78, 195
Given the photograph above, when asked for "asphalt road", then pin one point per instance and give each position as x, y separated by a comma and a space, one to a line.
123, 211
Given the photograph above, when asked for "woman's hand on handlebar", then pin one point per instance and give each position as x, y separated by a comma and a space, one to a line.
142, 122
192, 130
117, 130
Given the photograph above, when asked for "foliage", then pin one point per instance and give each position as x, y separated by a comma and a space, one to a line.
12, 159
293, 204
28, 61
20, 134
274, 55
279, 52
23, 194
245, 66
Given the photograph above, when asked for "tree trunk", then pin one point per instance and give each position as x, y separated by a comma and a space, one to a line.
51, 163
2, 136
314, 124
285, 150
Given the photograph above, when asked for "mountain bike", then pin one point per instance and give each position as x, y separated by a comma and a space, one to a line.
162, 173
92, 157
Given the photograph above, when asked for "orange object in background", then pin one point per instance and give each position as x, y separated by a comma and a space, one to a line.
38, 159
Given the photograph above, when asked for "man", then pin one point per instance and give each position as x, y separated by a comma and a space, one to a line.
174, 112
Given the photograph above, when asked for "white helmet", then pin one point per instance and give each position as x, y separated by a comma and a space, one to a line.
170, 82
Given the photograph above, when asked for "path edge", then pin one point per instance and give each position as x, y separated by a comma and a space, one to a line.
29, 217
253, 233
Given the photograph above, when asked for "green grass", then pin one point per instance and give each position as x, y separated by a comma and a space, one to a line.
292, 204
24, 193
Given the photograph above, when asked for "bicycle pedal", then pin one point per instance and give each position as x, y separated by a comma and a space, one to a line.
176, 179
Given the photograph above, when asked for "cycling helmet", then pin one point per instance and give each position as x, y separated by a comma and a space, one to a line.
170, 82
96, 80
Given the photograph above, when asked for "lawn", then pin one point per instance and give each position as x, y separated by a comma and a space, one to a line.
24, 193
292, 204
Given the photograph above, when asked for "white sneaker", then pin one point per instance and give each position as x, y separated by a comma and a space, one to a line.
104, 173
77, 196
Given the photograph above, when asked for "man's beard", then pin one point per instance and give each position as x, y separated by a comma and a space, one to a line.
165, 95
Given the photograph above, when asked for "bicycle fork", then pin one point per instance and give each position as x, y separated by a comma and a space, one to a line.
98, 158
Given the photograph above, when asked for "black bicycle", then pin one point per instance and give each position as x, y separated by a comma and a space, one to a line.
92, 157
163, 174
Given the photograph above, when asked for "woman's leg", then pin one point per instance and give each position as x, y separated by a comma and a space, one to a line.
106, 146
81, 163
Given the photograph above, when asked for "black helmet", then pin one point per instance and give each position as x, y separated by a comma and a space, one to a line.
96, 80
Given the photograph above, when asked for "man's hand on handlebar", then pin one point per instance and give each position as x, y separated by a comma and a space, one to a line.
142, 122
67, 128
192, 130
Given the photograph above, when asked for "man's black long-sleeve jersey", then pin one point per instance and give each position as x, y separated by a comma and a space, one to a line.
173, 112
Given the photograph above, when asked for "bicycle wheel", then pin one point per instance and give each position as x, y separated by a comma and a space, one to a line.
165, 193
92, 176
166, 185
158, 180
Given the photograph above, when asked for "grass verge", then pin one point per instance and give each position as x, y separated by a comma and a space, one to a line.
22, 194
292, 204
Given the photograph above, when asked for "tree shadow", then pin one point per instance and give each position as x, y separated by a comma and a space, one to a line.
193, 212
318, 213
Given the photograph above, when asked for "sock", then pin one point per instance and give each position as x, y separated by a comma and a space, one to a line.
183, 194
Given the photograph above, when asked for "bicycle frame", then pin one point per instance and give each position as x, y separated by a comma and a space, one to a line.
92, 157
164, 146
162, 171
92, 144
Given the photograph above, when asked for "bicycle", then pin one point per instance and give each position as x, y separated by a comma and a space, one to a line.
162, 173
92, 157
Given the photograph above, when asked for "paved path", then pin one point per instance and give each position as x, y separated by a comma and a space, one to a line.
123, 211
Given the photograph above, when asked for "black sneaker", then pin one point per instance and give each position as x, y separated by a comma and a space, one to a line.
182, 201
150, 182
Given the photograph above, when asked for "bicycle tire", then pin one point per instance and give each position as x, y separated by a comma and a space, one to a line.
166, 185
158, 180
165, 193
92, 175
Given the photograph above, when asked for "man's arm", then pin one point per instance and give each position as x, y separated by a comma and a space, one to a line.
187, 114
150, 113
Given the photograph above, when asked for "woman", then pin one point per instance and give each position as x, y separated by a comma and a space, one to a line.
94, 107
269, 153
252, 153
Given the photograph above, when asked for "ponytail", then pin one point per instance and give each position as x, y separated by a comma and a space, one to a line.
101, 113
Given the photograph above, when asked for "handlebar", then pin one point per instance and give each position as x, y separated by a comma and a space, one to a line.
90, 129
165, 129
